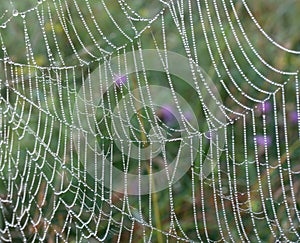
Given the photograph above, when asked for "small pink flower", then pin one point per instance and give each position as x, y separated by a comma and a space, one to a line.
262, 140
165, 113
293, 117
264, 107
210, 135
188, 116
120, 80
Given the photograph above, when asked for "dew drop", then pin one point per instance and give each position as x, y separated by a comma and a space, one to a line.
3, 26
15, 12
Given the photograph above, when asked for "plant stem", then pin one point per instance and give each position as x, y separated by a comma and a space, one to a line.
154, 195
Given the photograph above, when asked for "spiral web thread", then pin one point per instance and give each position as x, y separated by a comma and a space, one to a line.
47, 192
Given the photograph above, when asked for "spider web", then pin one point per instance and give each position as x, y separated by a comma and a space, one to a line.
82, 96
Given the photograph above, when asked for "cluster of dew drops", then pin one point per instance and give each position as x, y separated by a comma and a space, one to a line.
16, 13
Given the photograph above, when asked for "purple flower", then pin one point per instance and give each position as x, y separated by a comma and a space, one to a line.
294, 117
120, 80
165, 113
262, 140
188, 115
210, 135
264, 107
